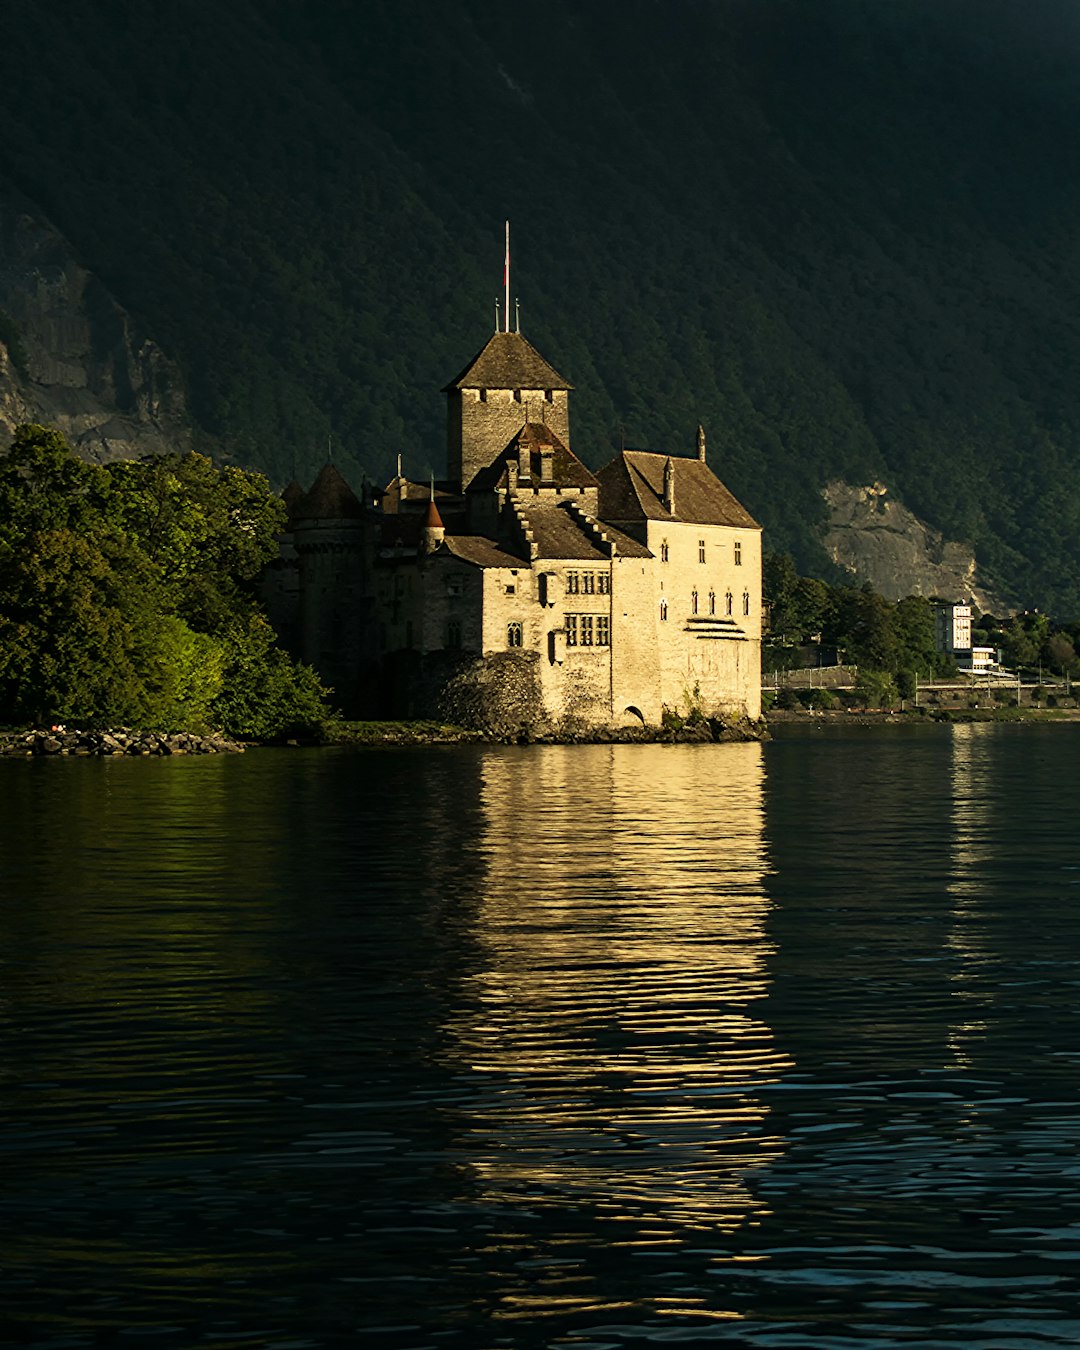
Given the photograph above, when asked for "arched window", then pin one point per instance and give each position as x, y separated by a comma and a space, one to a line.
513, 635
663, 550
727, 605
746, 602
693, 602
712, 602
663, 611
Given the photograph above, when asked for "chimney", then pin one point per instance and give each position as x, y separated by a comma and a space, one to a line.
547, 464
701, 443
524, 458
669, 487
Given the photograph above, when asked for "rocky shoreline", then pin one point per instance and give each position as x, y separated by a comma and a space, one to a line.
696, 731
121, 741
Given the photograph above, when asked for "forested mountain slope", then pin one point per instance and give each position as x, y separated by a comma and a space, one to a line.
841, 234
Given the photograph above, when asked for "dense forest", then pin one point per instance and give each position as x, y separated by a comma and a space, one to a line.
127, 596
841, 234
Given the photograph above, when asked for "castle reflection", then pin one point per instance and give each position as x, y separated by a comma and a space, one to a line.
622, 945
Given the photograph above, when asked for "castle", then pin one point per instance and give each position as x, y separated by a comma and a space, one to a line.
599, 599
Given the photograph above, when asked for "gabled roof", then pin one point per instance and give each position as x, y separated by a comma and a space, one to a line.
507, 361
632, 488
330, 498
559, 532
566, 469
480, 551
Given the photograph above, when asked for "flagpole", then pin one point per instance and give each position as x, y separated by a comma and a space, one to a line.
506, 281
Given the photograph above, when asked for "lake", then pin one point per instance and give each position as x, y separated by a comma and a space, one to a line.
586, 1046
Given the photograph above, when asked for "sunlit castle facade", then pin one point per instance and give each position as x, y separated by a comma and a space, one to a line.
616, 595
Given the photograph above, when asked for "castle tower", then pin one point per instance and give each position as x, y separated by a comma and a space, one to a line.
507, 384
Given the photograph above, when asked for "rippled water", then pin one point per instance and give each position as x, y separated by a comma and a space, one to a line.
564, 1046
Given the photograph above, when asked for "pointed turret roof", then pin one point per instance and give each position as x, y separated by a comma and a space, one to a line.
433, 521
507, 361
330, 498
292, 494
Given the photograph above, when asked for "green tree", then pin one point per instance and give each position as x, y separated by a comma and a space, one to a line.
125, 595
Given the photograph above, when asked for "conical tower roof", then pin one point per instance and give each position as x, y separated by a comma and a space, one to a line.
507, 361
292, 495
330, 498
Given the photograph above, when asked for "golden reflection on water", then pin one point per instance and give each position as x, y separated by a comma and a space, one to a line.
621, 933
972, 826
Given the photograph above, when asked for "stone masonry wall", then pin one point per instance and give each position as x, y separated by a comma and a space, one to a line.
479, 429
704, 672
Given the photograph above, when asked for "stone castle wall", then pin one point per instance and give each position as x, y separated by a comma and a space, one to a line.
482, 422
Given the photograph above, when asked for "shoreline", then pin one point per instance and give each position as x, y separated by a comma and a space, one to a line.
876, 717
37, 743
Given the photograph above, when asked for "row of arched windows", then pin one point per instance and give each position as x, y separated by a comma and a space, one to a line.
729, 603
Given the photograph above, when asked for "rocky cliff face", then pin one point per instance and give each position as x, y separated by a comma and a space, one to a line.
881, 542
71, 357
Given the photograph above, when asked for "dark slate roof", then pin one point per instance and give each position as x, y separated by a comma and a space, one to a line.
292, 494
330, 498
481, 551
566, 469
559, 532
507, 361
408, 494
624, 545
632, 488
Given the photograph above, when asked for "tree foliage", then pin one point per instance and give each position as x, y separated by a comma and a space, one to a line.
125, 595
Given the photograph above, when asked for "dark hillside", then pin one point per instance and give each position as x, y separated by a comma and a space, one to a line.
840, 234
